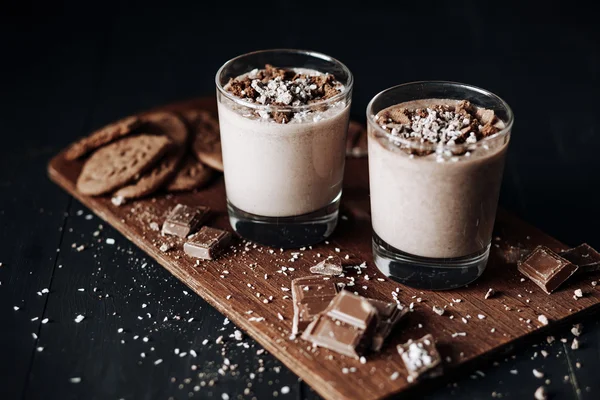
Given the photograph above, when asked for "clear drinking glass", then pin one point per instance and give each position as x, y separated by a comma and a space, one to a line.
283, 180
433, 214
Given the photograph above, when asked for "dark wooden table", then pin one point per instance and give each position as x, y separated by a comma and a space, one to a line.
65, 71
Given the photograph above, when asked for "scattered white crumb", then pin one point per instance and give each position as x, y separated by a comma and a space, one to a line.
543, 319
480, 316
576, 329
489, 293
158, 361
110, 241
285, 390
16, 308
45, 321
79, 318
40, 349
540, 393
75, 380
438, 310
394, 376
538, 374
578, 293
575, 344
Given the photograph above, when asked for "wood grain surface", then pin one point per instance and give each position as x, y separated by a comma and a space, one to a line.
237, 283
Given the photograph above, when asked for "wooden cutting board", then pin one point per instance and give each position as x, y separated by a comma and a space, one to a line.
238, 283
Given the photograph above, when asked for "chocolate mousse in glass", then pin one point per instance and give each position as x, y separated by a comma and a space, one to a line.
436, 157
283, 117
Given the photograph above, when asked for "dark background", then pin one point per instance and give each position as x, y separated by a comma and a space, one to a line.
68, 69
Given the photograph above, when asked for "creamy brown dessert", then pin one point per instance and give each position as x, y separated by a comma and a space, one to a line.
435, 177
283, 141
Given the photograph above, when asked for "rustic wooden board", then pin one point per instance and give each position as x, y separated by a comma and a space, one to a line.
248, 271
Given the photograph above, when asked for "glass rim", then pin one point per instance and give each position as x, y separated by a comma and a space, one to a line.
268, 107
436, 146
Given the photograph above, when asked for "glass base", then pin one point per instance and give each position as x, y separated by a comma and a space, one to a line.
285, 232
428, 273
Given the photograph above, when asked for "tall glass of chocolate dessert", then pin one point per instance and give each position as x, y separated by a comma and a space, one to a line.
436, 157
283, 117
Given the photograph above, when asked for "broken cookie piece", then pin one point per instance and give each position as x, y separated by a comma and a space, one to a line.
546, 269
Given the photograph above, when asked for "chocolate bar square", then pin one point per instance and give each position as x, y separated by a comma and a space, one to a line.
310, 296
388, 316
352, 309
546, 269
207, 243
335, 335
346, 326
420, 357
183, 220
584, 256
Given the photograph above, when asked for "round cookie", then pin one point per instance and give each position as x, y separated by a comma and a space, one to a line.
169, 125
206, 137
192, 174
118, 163
99, 138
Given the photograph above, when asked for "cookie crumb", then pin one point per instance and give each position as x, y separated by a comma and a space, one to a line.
489, 293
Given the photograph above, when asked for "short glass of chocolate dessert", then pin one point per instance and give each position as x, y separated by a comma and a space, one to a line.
283, 117
436, 158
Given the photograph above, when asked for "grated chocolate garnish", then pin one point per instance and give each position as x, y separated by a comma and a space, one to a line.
284, 87
439, 125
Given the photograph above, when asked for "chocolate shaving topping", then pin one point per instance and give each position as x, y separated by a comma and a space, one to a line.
283, 87
439, 125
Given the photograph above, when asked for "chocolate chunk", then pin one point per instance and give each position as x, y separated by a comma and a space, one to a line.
346, 326
352, 309
420, 357
546, 269
310, 296
183, 220
388, 316
584, 256
336, 336
207, 243
330, 266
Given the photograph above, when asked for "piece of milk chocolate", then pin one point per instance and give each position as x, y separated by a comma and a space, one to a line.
584, 256
388, 316
346, 326
207, 243
310, 296
183, 220
546, 269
